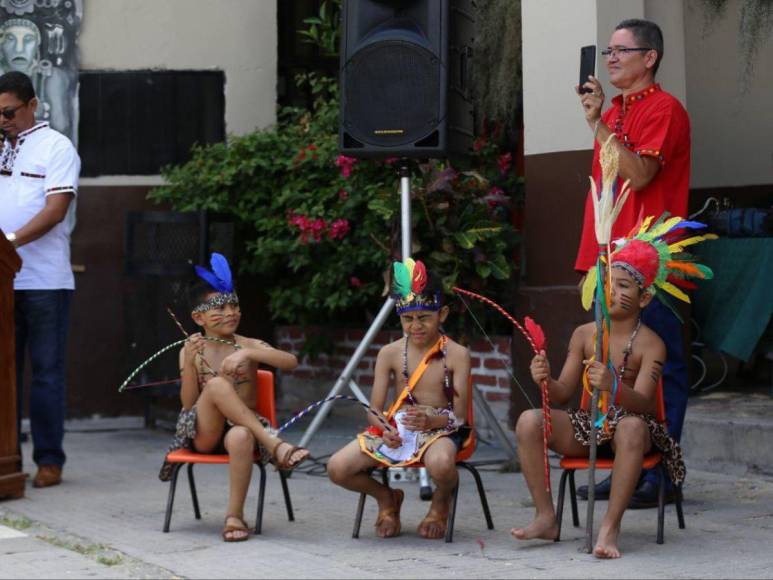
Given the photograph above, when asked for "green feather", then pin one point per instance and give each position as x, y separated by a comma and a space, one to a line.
402, 281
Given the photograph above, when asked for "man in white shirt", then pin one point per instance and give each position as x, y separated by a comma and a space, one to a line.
39, 170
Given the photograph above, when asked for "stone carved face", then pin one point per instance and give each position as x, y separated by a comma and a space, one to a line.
19, 44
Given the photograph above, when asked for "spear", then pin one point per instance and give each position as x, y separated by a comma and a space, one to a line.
605, 211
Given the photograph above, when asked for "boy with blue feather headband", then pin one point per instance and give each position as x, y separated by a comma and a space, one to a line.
218, 371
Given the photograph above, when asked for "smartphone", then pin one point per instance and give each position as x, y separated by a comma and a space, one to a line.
587, 65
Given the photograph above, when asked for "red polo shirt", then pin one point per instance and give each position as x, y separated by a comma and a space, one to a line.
653, 123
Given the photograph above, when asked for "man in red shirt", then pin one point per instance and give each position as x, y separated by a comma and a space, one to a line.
652, 133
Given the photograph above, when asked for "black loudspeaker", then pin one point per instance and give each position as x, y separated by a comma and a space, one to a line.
404, 83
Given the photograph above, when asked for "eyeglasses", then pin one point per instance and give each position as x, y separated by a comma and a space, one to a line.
614, 52
11, 113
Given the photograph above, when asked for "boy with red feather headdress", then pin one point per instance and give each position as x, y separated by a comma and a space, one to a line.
648, 264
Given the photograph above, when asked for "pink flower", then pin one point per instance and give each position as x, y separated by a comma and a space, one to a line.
390, 160
343, 195
355, 281
504, 162
339, 229
346, 164
495, 196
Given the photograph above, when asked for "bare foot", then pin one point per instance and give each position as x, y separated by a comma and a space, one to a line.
542, 528
388, 521
606, 544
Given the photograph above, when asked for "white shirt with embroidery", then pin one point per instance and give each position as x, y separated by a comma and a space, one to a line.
44, 162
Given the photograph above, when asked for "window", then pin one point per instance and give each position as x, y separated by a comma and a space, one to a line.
135, 123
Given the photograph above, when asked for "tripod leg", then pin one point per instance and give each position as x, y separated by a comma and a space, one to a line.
345, 377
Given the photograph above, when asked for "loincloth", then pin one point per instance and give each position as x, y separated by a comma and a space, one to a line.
185, 433
370, 441
661, 440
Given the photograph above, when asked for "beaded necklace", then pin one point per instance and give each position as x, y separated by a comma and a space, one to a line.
446, 379
627, 351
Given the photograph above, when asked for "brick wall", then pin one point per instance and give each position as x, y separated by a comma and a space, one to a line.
489, 364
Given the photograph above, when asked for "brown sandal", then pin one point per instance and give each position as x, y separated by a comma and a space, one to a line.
285, 463
228, 529
392, 513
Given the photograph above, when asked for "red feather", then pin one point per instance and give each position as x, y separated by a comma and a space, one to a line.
682, 283
535, 331
419, 277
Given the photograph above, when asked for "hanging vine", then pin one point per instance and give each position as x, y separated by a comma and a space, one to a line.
755, 26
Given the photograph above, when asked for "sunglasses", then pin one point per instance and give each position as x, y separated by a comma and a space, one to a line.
11, 113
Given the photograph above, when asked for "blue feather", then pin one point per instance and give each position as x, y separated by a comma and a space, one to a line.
222, 270
208, 277
688, 225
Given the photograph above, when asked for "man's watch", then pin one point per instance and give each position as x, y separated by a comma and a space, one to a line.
11, 237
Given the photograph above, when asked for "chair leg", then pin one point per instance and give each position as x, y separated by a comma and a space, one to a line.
560, 505
452, 515
170, 498
661, 501
261, 498
194, 497
283, 477
358, 516
481, 494
573, 500
679, 512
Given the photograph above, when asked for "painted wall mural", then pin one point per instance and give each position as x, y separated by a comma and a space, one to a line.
40, 38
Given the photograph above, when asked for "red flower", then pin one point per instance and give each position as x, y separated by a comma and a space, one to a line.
346, 164
343, 195
504, 162
338, 229
355, 281
479, 144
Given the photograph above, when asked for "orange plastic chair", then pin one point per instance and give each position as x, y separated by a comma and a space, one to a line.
468, 448
265, 405
652, 460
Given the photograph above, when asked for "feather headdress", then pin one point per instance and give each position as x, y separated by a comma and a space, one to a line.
655, 257
221, 281
409, 282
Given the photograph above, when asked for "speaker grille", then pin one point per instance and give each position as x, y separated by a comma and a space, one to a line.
392, 93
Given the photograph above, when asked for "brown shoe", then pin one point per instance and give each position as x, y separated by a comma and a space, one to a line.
47, 476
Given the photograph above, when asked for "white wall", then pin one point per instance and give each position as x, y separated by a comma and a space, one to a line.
236, 36
732, 132
553, 32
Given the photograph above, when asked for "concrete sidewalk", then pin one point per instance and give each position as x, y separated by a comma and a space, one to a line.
105, 521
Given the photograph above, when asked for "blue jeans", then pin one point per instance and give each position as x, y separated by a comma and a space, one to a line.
676, 386
42, 318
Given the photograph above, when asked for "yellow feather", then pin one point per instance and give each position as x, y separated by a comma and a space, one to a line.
674, 291
410, 264
645, 224
588, 287
678, 246
664, 227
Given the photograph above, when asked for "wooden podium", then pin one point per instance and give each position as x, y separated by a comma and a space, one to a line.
11, 478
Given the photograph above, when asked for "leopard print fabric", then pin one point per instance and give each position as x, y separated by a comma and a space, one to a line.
661, 440
185, 433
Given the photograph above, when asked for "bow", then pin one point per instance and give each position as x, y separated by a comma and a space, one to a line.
534, 335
